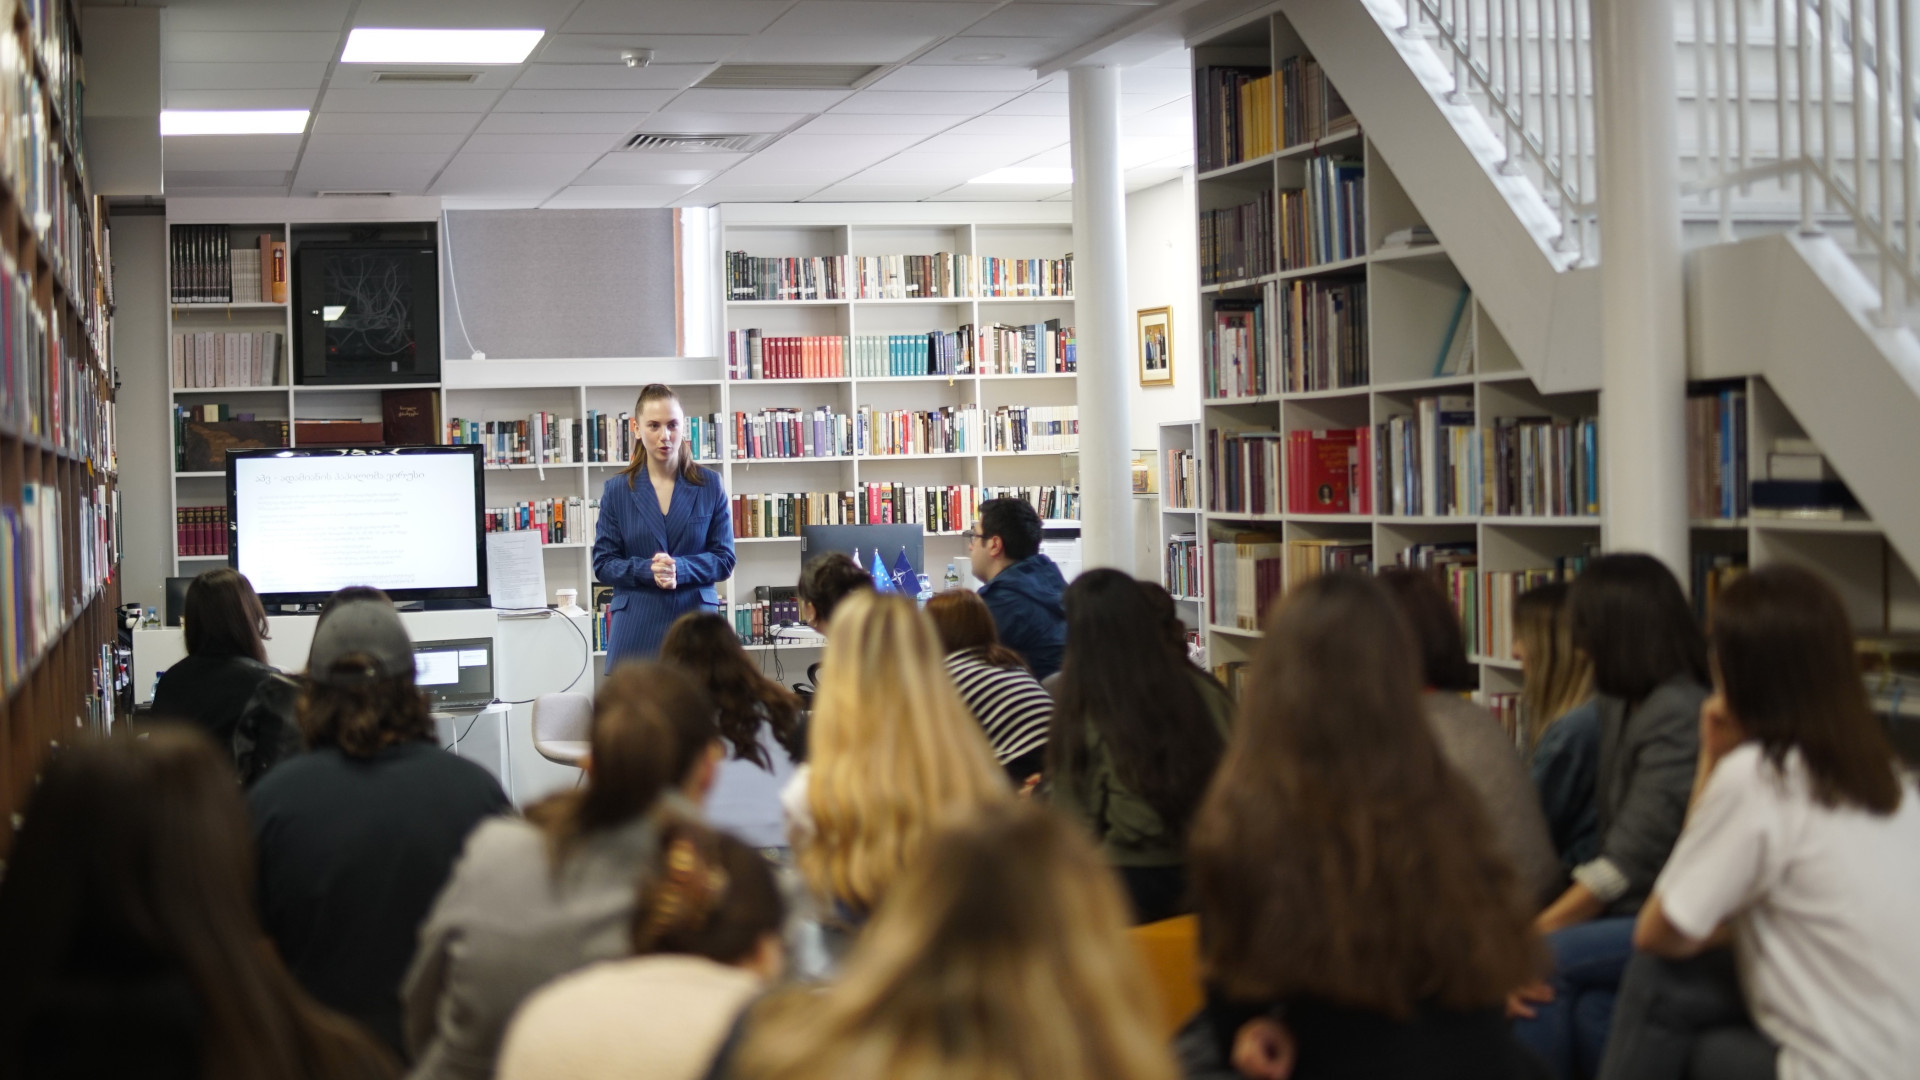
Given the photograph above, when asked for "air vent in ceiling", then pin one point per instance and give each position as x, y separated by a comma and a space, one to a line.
427, 78
699, 144
356, 194
789, 77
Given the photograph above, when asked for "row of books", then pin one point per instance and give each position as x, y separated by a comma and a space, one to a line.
939, 508
1326, 220
1182, 575
1236, 243
216, 360
1310, 108
1484, 600
1717, 454
1053, 502
602, 617
1037, 348
792, 433
610, 438
1235, 111
1428, 459
1181, 487
1046, 428
200, 530
546, 438
949, 429
1330, 471
206, 268
32, 611
567, 520
1297, 336
1252, 570
941, 275
1243, 471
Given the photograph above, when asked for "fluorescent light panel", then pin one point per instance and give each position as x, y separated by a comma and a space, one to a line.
382, 45
233, 121
1025, 175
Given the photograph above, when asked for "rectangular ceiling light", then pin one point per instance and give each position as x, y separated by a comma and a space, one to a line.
233, 121
1015, 174
380, 45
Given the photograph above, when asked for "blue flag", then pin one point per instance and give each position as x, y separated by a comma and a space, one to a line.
903, 574
882, 581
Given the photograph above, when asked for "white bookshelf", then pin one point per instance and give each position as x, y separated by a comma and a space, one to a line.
1180, 517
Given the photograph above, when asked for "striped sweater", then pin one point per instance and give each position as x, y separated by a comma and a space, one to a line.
1010, 704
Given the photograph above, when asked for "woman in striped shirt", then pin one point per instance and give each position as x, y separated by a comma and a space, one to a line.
1004, 696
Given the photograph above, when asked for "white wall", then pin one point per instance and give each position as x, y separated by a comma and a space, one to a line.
141, 405
1163, 271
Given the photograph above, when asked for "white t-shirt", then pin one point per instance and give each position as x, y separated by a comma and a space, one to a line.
659, 1017
1826, 910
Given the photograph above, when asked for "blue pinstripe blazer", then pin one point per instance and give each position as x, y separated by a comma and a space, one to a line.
697, 531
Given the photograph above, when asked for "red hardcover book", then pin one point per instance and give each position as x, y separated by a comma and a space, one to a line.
1329, 472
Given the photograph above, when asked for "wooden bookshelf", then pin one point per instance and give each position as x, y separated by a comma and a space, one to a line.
57, 457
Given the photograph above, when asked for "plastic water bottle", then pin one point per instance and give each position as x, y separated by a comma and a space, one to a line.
953, 577
926, 590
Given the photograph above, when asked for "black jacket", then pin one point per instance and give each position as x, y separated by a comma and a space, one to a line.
245, 706
1028, 612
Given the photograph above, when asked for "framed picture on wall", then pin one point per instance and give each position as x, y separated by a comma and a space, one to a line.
1156, 346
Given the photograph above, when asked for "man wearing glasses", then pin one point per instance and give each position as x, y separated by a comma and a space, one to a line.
1023, 587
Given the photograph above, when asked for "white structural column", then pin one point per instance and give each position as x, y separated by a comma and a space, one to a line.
1101, 318
1643, 441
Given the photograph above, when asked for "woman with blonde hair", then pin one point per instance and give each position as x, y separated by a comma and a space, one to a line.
892, 752
1562, 718
1001, 952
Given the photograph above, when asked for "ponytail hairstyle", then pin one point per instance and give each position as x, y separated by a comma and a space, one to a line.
691, 473
708, 895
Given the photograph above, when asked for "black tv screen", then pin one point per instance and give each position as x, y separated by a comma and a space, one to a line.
367, 312
408, 520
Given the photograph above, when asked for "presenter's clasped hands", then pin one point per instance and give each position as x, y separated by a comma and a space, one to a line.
663, 570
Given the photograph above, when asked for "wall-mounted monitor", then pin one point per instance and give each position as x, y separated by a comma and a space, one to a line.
407, 520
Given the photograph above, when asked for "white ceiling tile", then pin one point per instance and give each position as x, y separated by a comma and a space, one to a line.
393, 123
493, 77
1002, 192
1004, 50
226, 185
566, 101
913, 168
495, 142
923, 101
408, 99
257, 15
556, 123
998, 148
956, 77
812, 18
1175, 118
827, 152
407, 174
712, 194
1138, 179
230, 160
509, 174
491, 202
1164, 83
610, 76
880, 123
638, 167
999, 124
1035, 105
749, 101
687, 121
1077, 21
852, 192
507, 14
672, 17
1139, 104
248, 46
848, 48
613, 197
1060, 157
758, 170
667, 48
385, 142
268, 76
201, 147
241, 99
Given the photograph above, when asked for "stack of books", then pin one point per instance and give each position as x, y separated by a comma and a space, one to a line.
1243, 471
1717, 453
1183, 564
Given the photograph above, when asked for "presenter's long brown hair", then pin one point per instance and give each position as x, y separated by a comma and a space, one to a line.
1337, 855
690, 472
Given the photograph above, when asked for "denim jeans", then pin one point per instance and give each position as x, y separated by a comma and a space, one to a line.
1569, 1033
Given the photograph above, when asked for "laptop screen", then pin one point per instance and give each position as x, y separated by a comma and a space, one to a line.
455, 673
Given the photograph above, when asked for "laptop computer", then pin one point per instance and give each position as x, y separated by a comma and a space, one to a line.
456, 674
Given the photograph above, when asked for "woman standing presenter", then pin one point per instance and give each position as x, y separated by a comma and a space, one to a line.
665, 537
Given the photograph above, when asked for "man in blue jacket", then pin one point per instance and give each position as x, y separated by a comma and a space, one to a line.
1023, 587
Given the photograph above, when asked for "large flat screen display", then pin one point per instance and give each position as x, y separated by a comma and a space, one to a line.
406, 520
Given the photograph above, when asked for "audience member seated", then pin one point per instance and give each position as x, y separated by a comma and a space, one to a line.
1472, 739
893, 751
993, 680
1023, 587
1000, 952
224, 683
1358, 917
357, 836
826, 580
1563, 720
531, 900
1167, 613
759, 719
706, 940
129, 947
1802, 841
1650, 669
1134, 741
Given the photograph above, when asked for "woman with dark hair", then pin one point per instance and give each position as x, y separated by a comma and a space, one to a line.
706, 941
357, 836
128, 941
531, 900
1631, 619
1010, 704
1357, 915
826, 580
758, 718
1800, 839
664, 549
1471, 738
1133, 741
224, 677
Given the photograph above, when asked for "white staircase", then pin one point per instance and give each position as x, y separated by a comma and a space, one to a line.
1792, 247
